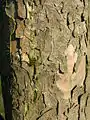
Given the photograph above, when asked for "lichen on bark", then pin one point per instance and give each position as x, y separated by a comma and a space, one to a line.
50, 36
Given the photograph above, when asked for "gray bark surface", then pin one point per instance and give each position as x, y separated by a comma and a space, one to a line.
50, 59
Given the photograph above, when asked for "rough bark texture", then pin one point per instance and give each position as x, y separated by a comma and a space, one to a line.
50, 59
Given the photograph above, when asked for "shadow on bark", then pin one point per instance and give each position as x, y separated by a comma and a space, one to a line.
5, 68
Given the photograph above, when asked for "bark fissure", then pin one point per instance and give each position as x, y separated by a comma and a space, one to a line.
50, 62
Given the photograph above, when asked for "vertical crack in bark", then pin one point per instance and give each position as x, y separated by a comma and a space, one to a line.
34, 74
86, 74
72, 91
82, 17
46, 16
44, 100
57, 108
59, 69
68, 20
73, 30
84, 3
62, 7
80, 42
79, 100
86, 35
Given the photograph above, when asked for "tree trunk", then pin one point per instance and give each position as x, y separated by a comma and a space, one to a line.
50, 63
